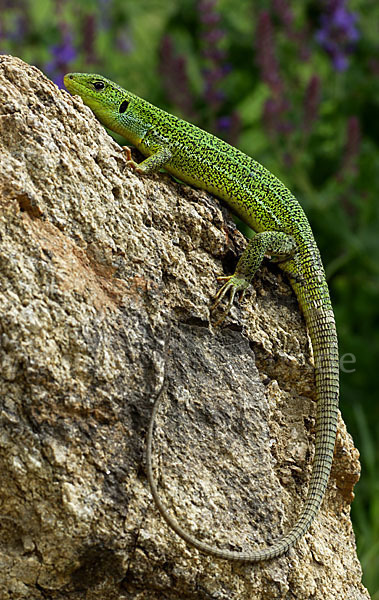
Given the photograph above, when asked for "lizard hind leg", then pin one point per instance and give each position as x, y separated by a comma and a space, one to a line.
276, 243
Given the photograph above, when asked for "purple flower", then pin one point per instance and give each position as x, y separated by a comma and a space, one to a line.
173, 71
275, 117
212, 52
89, 27
266, 57
283, 10
104, 8
15, 28
338, 33
352, 146
21, 28
209, 16
62, 54
124, 41
229, 126
349, 165
311, 102
276, 109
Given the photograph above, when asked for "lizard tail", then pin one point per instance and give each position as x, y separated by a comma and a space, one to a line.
321, 326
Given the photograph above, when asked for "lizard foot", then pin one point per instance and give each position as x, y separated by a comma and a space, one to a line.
233, 284
129, 160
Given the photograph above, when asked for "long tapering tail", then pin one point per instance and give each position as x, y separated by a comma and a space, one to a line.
321, 326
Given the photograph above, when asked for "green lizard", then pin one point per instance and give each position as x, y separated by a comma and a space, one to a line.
282, 231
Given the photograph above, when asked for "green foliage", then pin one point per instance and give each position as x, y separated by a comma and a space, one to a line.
266, 76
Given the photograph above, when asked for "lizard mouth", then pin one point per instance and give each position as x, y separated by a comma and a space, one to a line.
71, 84
98, 104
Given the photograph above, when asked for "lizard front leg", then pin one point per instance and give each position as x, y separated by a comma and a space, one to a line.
152, 164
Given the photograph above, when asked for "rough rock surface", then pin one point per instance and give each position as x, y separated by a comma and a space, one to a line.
106, 279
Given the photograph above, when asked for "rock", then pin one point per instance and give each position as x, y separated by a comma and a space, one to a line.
106, 279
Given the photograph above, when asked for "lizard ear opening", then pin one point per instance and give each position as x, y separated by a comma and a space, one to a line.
123, 106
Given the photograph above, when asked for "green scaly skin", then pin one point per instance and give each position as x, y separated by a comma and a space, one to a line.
282, 231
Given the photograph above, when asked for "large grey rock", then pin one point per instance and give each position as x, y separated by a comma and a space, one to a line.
106, 280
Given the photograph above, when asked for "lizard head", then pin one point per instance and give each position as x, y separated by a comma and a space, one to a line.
106, 99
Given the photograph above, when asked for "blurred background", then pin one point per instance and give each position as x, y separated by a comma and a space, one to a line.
293, 84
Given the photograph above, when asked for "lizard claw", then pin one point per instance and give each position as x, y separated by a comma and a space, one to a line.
129, 160
233, 284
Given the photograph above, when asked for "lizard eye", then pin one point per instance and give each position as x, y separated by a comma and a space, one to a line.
98, 85
123, 106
